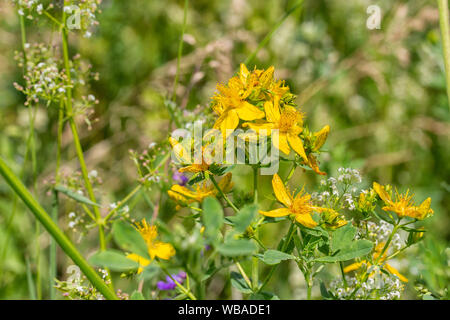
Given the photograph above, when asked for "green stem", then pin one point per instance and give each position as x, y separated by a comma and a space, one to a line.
284, 243
343, 274
122, 202
180, 51
76, 139
255, 260
55, 205
223, 194
445, 35
179, 285
65, 244
244, 275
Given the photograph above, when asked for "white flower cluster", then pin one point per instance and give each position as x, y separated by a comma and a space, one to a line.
26, 8
75, 221
378, 286
77, 287
339, 191
44, 79
379, 233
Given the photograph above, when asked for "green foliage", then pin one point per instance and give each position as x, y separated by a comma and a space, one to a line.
114, 260
129, 239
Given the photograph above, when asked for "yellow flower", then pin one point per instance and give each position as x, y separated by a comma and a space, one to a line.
289, 122
202, 190
185, 157
403, 205
155, 248
300, 206
332, 219
376, 254
231, 104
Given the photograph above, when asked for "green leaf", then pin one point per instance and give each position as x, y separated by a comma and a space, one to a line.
238, 281
75, 196
137, 296
237, 247
356, 249
264, 296
272, 257
212, 218
129, 238
244, 217
113, 260
342, 237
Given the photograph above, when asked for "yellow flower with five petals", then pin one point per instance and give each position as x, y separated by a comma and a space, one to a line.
299, 206
403, 205
155, 248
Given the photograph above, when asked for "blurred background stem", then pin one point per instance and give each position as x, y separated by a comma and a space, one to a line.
445, 36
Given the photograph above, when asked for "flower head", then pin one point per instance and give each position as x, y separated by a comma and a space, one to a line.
200, 191
299, 206
376, 256
402, 204
155, 248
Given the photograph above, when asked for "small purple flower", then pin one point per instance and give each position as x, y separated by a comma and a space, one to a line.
180, 178
169, 284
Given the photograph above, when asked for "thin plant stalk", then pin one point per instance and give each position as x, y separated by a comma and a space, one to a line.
444, 22
64, 242
55, 204
222, 194
284, 243
73, 127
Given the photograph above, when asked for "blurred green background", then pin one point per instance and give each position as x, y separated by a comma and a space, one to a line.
382, 91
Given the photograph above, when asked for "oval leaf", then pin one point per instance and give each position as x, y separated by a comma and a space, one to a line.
113, 260
129, 239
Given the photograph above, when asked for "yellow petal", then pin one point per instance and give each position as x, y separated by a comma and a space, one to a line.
354, 266
321, 137
272, 110
243, 73
162, 250
281, 193
424, 210
140, 260
281, 143
248, 112
394, 271
313, 164
267, 77
281, 212
182, 154
297, 144
176, 196
183, 191
306, 220
229, 120
225, 184
381, 192
260, 127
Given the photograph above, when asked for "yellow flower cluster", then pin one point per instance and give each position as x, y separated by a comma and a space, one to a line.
264, 104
